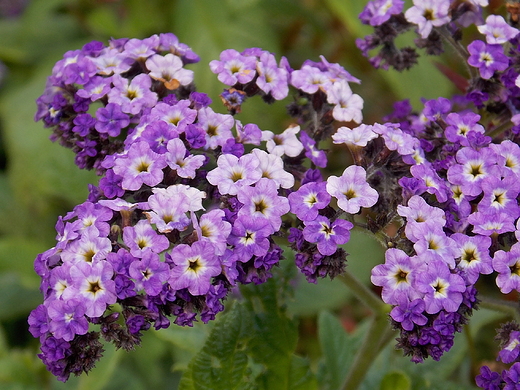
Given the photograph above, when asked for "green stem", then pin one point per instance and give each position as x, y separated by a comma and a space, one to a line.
373, 343
510, 308
363, 293
459, 49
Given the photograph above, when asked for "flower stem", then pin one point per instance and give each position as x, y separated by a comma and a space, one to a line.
510, 308
363, 293
375, 339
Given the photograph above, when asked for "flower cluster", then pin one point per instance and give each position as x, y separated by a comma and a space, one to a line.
192, 203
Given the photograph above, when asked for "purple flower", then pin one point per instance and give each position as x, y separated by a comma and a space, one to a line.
487, 58
250, 237
511, 377
310, 79
177, 159
141, 48
430, 181
433, 245
460, 124
377, 12
38, 321
308, 200
511, 350
317, 156
194, 266
409, 314
111, 120
149, 273
213, 228
441, 288
488, 379
168, 209
67, 318
352, 190
90, 247
327, 235
83, 123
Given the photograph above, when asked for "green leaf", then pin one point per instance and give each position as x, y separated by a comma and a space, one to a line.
17, 300
223, 362
301, 376
42, 175
338, 349
17, 254
396, 380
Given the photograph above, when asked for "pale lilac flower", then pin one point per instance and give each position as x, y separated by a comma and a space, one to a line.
419, 212
497, 30
140, 166
352, 190
96, 88
250, 237
112, 61
234, 67
430, 181
233, 173
271, 166
285, 143
317, 156
177, 116
491, 224
169, 69
248, 134
347, 105
142, 237
215, 229
194, 266
474, 255
507, 264
90, 247
500, 196
310, 79
427, 14
93, 283
168, 210
217, 127
396, 277
262, 201
133, 95
141, 48
185, 166
473, 166
359, 136
434, 245
510, 153
272, 79
395, 138
170, 42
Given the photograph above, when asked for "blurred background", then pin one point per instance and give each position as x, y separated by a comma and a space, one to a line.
39, 181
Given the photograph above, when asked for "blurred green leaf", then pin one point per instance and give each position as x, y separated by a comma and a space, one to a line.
44, 179
339, 349
222, 363
301, 376
17, 300
17, 254
395, 380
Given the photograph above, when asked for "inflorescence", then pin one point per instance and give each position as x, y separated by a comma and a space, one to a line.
192, 203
